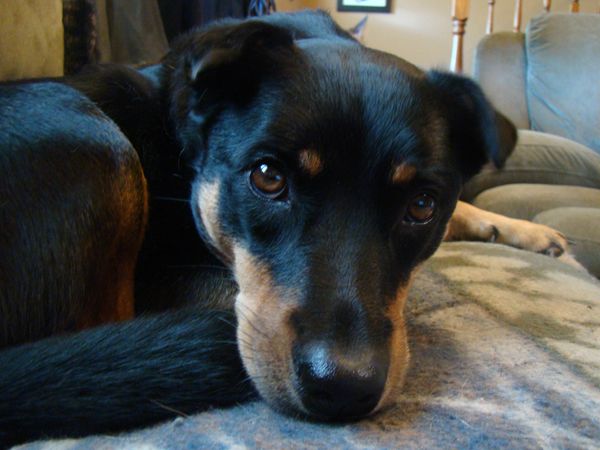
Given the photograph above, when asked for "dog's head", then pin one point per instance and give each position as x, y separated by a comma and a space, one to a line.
326, 173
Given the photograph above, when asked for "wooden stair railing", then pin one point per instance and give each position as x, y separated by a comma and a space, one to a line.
489, 24
575, 6
517, 21
518, 16
460, 14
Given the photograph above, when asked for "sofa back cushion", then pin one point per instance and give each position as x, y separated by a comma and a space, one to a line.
499, 67
563, 76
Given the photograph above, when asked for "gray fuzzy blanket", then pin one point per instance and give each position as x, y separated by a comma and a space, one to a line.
505, 354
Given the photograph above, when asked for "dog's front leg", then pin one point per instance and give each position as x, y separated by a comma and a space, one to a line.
470, 223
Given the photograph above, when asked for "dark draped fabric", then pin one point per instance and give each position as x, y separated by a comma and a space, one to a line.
130, 31
80, 39
139, 31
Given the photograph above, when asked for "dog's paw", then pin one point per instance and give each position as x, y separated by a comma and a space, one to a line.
527, 236
471, 223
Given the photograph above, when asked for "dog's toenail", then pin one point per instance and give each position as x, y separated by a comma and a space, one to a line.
554, 250
495, 234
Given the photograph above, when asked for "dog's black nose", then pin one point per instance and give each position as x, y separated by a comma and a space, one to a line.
338, 386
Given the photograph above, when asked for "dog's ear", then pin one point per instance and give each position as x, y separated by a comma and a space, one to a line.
224, 62
246, 46
358, 30
478, 133
221, 65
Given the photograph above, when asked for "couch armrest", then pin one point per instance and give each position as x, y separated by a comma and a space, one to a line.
540, 158
499, 67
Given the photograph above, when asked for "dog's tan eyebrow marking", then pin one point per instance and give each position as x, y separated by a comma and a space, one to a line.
311, 161
403, 173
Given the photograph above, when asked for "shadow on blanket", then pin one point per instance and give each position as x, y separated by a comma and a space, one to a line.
505, 353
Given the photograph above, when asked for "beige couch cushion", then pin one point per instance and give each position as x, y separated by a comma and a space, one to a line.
580, 225
31, 39
525, 201
573, 210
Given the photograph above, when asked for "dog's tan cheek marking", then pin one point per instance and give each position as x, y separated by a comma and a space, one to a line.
399, 351
403, 173
208, 205
311, 162
264, 334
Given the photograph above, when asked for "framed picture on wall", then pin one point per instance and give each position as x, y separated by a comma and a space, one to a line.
364, 5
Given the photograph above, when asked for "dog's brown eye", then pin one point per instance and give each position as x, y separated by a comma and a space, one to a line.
420, 209
267, 180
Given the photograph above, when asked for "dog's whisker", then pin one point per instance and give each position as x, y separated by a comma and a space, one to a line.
200, 266
251, 323
173, 199
247, 343
229, 342
168, 408
228, 322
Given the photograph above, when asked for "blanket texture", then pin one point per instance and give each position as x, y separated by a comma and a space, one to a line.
505, 351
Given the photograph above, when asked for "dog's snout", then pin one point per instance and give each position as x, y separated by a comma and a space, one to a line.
338, 386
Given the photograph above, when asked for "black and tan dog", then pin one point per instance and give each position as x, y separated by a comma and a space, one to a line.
321, 173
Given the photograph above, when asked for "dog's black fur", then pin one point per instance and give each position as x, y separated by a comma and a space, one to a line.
337, 247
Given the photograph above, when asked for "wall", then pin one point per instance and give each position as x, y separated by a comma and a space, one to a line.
420, 30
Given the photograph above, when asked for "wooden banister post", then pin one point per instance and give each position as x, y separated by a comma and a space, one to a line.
547, 5
518, 16
574, 6
460, 14
489, 29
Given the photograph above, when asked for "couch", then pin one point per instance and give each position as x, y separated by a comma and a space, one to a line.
546, 81
505, 353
